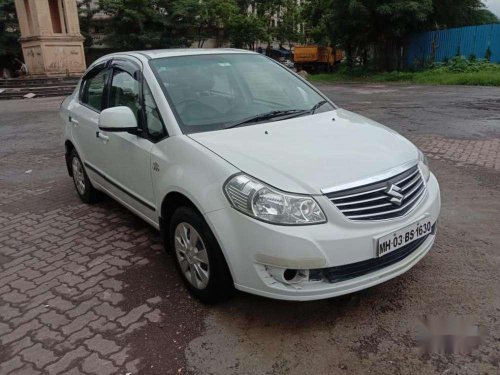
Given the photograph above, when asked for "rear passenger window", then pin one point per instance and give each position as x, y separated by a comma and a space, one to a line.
93, 89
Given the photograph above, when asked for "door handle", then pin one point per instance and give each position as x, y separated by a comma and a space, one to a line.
73, 121
104, 137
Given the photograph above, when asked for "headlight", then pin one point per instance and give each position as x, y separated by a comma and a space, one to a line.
423, 164
263, 202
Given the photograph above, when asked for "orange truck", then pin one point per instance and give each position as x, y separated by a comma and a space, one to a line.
316, 59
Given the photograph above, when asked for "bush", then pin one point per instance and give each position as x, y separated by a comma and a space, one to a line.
487, 54
395, 76
355, 71
459, 64
454, 71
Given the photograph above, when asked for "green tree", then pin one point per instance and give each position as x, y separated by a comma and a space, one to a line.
289, 23
244, 30
360, 26
273, 19
9, 29
207, 18
347, 24
217, 15
484, 17
267, 11
317, 16
144, 24
139, 24
383, 26
456, 13
86, 14
396, 20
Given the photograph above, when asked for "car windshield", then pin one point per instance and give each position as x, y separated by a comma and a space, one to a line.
219, 91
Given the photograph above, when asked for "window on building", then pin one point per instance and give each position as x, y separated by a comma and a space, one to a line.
55, 17
28, 16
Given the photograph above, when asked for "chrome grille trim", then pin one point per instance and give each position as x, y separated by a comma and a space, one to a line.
373, 201
416, 187
362, 201
367, 208
412, 182
407, 178
393, 211
355, 195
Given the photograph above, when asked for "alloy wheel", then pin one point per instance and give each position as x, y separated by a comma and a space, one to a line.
78, 175
192, 255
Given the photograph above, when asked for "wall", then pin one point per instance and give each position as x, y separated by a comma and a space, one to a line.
443, 44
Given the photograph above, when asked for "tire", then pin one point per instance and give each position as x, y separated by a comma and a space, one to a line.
201, 264
83, 186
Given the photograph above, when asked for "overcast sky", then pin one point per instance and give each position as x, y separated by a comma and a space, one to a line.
493, 5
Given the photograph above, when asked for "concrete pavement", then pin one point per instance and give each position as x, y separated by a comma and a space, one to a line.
88, 289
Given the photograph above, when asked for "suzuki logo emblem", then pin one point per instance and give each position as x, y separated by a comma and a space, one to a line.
393, 192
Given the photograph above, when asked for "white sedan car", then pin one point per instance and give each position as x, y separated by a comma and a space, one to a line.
256, 180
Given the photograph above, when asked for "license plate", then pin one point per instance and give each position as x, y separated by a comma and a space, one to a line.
402, 237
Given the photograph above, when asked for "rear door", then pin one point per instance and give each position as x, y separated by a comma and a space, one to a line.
84, 116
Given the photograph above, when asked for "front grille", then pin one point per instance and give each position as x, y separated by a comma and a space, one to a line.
350, 271
386, 199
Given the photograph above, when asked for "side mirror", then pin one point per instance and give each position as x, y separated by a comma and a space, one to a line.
117, 119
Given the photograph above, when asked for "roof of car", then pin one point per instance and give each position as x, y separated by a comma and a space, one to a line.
159, 53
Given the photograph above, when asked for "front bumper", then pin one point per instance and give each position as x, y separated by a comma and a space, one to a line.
250, 246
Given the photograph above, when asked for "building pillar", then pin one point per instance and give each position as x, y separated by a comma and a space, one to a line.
50, 37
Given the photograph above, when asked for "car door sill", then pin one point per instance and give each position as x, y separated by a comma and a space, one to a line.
128, 206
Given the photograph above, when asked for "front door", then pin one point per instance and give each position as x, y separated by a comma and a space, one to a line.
125, 158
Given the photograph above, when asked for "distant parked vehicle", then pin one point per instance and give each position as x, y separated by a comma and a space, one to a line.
289, 64
316, 59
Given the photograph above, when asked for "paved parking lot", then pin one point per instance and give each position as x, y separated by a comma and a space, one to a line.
88, 289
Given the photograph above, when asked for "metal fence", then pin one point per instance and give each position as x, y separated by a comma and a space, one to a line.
444, 44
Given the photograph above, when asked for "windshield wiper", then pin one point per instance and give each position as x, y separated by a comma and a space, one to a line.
276, 113
263, 117
308, 111
317, 105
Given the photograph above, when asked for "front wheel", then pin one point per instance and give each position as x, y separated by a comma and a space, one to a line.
199, 258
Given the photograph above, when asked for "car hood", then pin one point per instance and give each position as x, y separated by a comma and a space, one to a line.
310, 153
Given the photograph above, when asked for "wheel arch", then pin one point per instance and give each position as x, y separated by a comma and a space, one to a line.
169, 204
172, 201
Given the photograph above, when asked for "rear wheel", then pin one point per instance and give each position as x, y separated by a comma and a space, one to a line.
84, 188
199, 258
